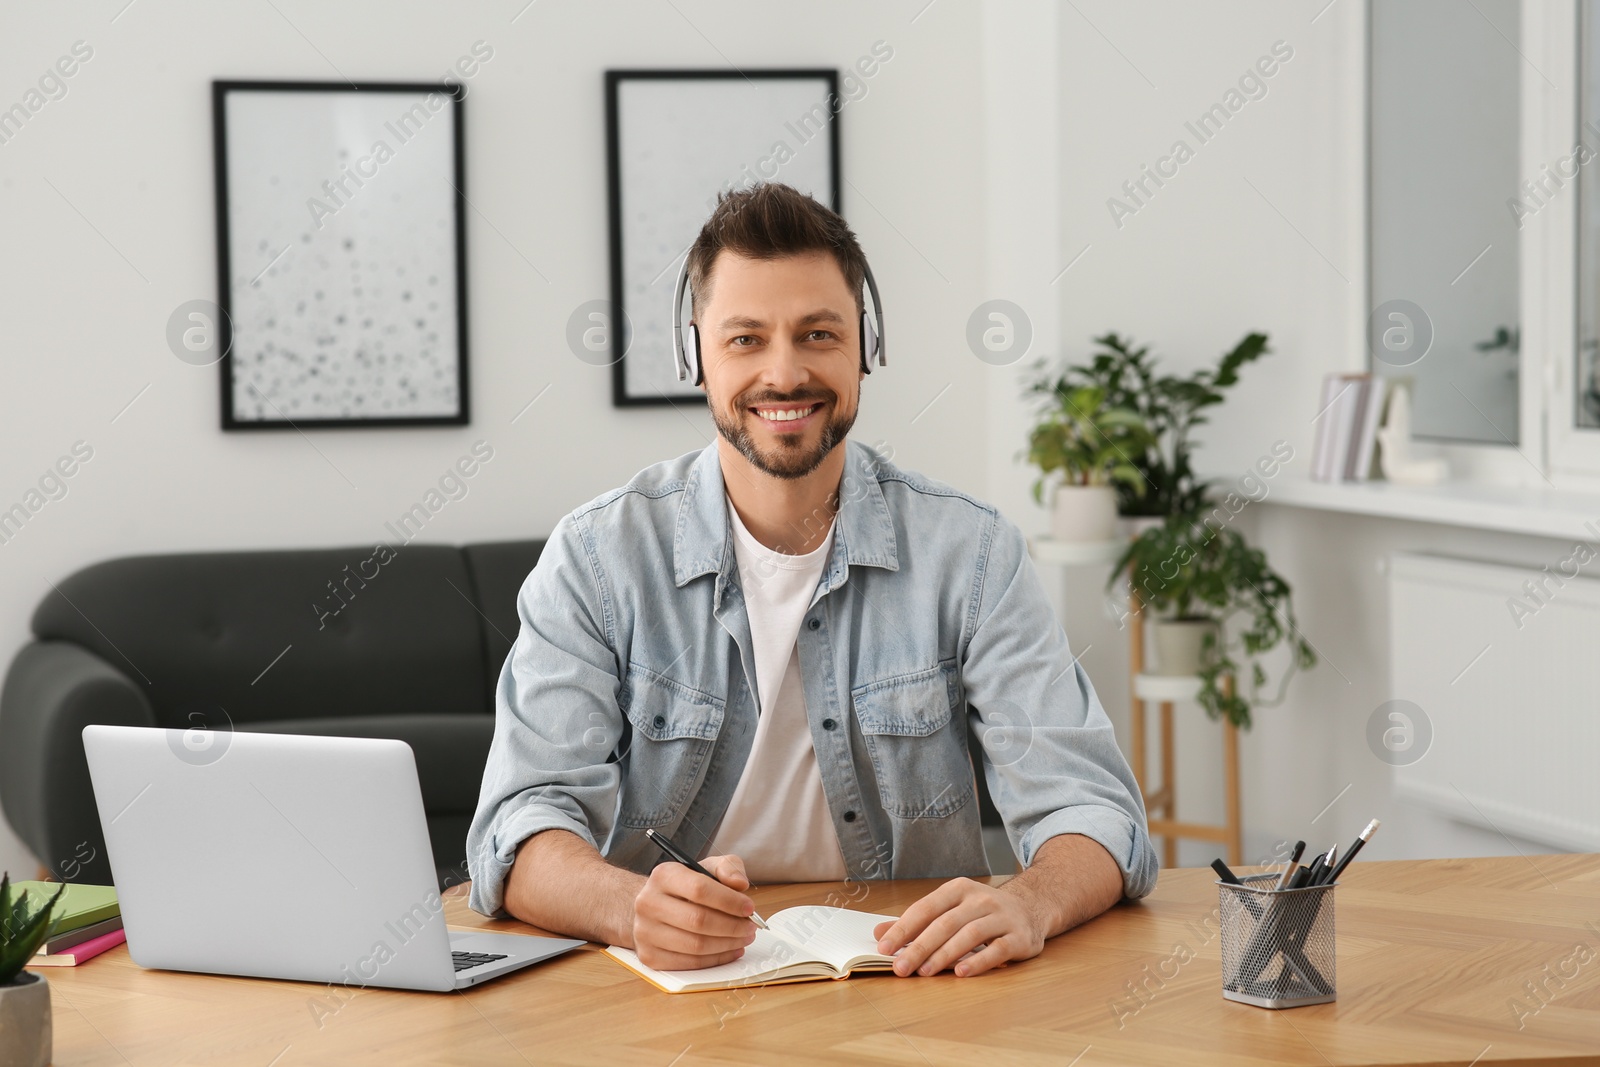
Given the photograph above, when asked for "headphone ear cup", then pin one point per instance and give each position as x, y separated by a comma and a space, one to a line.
869, 343
691, 353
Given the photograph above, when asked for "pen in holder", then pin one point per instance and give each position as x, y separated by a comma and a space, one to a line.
1277, 945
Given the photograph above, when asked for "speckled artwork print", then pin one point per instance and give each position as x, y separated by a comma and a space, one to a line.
342, 217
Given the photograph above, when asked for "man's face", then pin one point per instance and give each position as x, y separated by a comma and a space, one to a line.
780, 343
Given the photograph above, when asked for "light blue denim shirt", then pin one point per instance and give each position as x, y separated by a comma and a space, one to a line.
628, 700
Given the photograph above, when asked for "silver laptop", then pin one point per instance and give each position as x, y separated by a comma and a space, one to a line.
283, 856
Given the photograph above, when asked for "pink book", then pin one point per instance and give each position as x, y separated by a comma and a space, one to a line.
78, 953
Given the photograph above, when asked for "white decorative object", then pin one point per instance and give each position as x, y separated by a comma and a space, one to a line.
1395, 442
1084, 513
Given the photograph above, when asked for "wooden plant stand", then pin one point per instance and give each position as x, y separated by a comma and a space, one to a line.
1161, 806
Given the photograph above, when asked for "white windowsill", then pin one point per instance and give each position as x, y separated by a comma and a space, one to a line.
1540, 511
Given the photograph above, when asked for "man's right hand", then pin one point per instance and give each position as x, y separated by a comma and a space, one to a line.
684, 921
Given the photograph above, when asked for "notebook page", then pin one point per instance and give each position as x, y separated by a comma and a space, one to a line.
835, 935
767, 953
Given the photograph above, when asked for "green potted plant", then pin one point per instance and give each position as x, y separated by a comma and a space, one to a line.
24, 996
1084, 449
1199, 576
1170, 406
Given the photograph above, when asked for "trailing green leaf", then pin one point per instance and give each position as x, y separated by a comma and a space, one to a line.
1193, 566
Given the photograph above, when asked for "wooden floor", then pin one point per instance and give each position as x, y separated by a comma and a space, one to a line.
1433, 957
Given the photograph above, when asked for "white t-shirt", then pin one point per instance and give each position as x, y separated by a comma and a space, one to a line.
778, 820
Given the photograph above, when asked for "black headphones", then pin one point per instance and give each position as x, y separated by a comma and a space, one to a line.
687, 354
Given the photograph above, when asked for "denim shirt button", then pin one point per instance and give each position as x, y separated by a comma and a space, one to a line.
661, 720
814, 624
849, 816
828, 724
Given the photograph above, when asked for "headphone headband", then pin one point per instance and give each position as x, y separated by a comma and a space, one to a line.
686, 356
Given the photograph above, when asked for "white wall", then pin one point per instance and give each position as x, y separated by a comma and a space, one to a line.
128, 153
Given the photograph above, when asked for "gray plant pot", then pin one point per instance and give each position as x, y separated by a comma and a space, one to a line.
1178, 644
25, 1037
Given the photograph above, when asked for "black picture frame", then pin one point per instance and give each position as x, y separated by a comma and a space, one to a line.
453, 203
632, 341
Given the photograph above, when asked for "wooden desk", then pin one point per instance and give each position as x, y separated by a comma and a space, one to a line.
1431, 955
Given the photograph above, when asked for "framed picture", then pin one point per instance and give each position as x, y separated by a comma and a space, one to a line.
675, 139
341, 254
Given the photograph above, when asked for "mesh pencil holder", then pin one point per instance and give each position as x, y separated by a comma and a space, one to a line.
1277, 946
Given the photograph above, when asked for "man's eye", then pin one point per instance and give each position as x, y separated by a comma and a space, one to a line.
742, 337
819, 335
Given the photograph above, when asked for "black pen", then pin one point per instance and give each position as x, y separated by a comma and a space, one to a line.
1327, 865
680, 856
1355, 846
1224, 873
1315, 868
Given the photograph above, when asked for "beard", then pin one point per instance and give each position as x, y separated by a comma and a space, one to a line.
791, 459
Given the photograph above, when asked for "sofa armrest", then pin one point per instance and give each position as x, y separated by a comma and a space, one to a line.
52, 691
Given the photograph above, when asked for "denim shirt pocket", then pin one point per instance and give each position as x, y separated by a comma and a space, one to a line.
674, 729
916, 746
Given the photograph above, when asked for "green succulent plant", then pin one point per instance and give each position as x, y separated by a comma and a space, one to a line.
22, 929
1086, 440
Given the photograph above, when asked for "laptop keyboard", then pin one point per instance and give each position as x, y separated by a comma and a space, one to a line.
466, 960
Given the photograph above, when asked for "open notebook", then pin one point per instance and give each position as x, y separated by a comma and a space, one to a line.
803, 943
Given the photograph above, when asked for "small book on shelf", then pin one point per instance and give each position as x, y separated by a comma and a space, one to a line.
1369, 416
804, 944
1349, 415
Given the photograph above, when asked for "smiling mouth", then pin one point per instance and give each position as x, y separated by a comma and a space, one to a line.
787, 417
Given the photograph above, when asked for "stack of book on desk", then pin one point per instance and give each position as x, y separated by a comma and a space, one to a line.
88, 921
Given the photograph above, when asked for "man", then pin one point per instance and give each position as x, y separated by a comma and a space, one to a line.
769, 650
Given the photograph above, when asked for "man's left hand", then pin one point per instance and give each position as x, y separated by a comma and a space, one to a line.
960, 916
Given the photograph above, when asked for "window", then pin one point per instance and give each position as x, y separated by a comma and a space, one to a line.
1444, 154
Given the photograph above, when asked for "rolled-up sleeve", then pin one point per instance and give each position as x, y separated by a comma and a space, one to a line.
557, 719
1050, 754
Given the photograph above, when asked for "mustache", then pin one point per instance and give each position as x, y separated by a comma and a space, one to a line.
768, 400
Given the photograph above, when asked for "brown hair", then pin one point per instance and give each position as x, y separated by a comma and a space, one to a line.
771, 220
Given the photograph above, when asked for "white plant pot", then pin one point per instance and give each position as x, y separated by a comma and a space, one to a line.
1084, 513
25, 1037
1178, 644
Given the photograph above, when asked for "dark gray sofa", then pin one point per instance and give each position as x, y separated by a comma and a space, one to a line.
408, 646
195, 639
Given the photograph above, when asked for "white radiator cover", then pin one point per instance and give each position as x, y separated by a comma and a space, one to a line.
1509, 677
